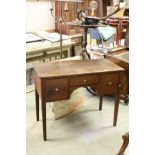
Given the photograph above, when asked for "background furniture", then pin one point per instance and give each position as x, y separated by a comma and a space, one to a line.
121, 58
77, 39
84, 53
71, 14
47, 51
121, 25
56, 81
44, 51
125, 138
96, 34
61, 19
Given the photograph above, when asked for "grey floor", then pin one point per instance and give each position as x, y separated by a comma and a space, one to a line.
84, 132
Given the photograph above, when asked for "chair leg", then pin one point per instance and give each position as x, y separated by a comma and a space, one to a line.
125, 138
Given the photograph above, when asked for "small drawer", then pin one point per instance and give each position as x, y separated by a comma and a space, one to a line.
56, 89
83, 80
110, 83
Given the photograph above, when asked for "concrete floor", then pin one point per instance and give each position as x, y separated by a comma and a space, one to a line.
84, 132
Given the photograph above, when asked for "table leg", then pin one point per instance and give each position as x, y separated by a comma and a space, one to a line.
100, 103
117, 37
44, 119
85, 54
37, 104
116, 109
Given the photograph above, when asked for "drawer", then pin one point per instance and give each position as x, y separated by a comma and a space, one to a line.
110, 83
84, 80
56, 89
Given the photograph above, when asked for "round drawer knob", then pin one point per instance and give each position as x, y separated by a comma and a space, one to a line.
85, 80
109, 83
56, 89
119, 85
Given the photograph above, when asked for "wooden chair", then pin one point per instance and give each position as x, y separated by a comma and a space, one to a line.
118, 21
125, 138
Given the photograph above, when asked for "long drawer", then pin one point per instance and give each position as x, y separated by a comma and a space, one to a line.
83, 80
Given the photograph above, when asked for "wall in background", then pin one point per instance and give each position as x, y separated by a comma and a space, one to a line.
38, 15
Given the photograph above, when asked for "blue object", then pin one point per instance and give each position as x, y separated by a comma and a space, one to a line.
94, 34
104, 34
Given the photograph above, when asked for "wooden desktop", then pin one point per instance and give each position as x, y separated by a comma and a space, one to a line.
56, 81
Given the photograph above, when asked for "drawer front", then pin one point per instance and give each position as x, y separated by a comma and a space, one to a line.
110, 83
83, 80
56, 89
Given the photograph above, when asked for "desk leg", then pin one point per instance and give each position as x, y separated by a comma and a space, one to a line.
44, 119
116, 109
100, 102
37, 104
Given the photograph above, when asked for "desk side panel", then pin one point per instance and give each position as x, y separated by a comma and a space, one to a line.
37, 82
117, 61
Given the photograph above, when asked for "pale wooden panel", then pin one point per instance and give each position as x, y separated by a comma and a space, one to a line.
38, 15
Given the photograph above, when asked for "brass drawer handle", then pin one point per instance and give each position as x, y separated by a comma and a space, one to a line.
109, 83
56, 89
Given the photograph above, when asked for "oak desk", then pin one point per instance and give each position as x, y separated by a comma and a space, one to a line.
56, 81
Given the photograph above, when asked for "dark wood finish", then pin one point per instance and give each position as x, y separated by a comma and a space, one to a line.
100, 102
44, 118
37, 105
57, 88
116, 106
85, 54
125, 138
57, 80
126, 43
38, 84
84, 80
71, 14
126, 12
102, 7
117, 58
76, 68
110, 82
120, 23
